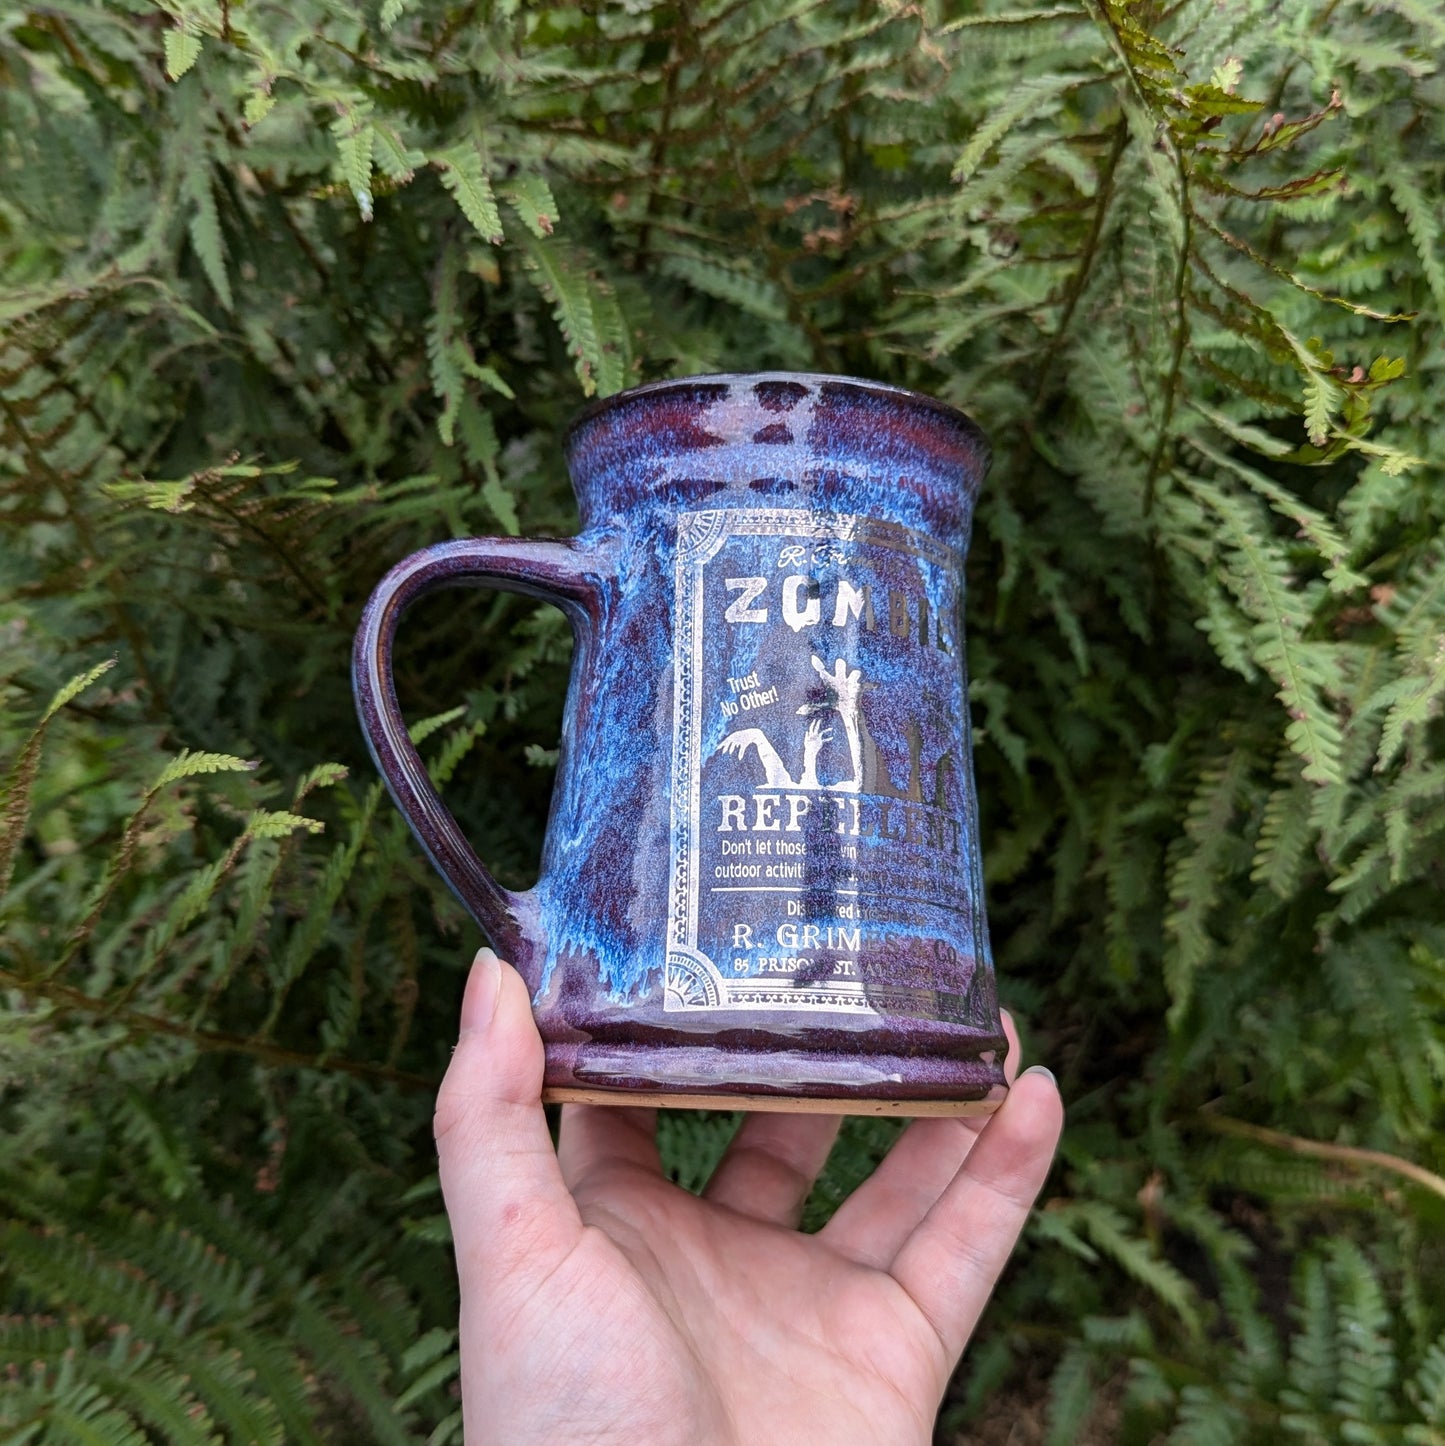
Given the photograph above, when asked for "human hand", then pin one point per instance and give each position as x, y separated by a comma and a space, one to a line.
602, 1303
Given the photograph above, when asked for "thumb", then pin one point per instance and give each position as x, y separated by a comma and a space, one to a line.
512, 1217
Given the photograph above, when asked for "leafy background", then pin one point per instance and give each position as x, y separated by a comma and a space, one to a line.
287, 292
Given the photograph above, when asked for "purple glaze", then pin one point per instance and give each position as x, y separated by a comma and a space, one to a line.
761, 872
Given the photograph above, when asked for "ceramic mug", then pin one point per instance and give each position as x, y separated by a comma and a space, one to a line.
761, 884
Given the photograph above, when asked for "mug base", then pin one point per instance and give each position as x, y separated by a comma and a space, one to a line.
774, 1104
780, 1080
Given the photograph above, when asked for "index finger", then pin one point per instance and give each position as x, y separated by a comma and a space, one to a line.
871, 1225
951, 1262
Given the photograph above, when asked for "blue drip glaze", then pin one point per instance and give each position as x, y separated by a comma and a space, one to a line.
624, 942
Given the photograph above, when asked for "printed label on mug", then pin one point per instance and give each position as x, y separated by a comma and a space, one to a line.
822, 791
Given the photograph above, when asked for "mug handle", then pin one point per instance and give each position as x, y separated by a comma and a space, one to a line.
560, 572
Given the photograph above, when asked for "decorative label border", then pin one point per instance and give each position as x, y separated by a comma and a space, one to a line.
693, 980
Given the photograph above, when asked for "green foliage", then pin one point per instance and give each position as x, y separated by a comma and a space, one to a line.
288, 292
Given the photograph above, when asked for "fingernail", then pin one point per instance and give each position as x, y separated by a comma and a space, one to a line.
1044, 1070
479, 1002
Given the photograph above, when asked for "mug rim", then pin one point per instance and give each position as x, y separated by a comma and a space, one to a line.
960, 418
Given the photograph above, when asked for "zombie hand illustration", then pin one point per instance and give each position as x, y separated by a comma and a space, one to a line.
737, 744
847, 683
848, 687
813, 741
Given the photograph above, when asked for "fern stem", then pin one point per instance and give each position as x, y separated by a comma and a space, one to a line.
1102, 17
110, 879
58, 28
62, 482
658, 157
1103, 194
1181, 334
64, 998
1352, 1155
1245, 249
275, 545
147, 966
381, 366
406, 990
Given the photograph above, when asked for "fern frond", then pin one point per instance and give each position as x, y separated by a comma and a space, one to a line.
1027, 20
20, 781
1415, 611
531, 198
183, 46
1197, 870
306, 937
1306, 672
355, 143
1207, 1418
423, 728
1034, 98
735, 282
447, 377
1313, 1362
1423, 224
63, 1269
85, 1413
1071, 1396
205, 231
464, 173
355, 1365
397, 161
1413, 702
195, 764
1427, 1389
1416, 607
450, 353
1286, 830
450, 755
1092, 1228
1364, 1348
587, 313
1313, 525
129, 1374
